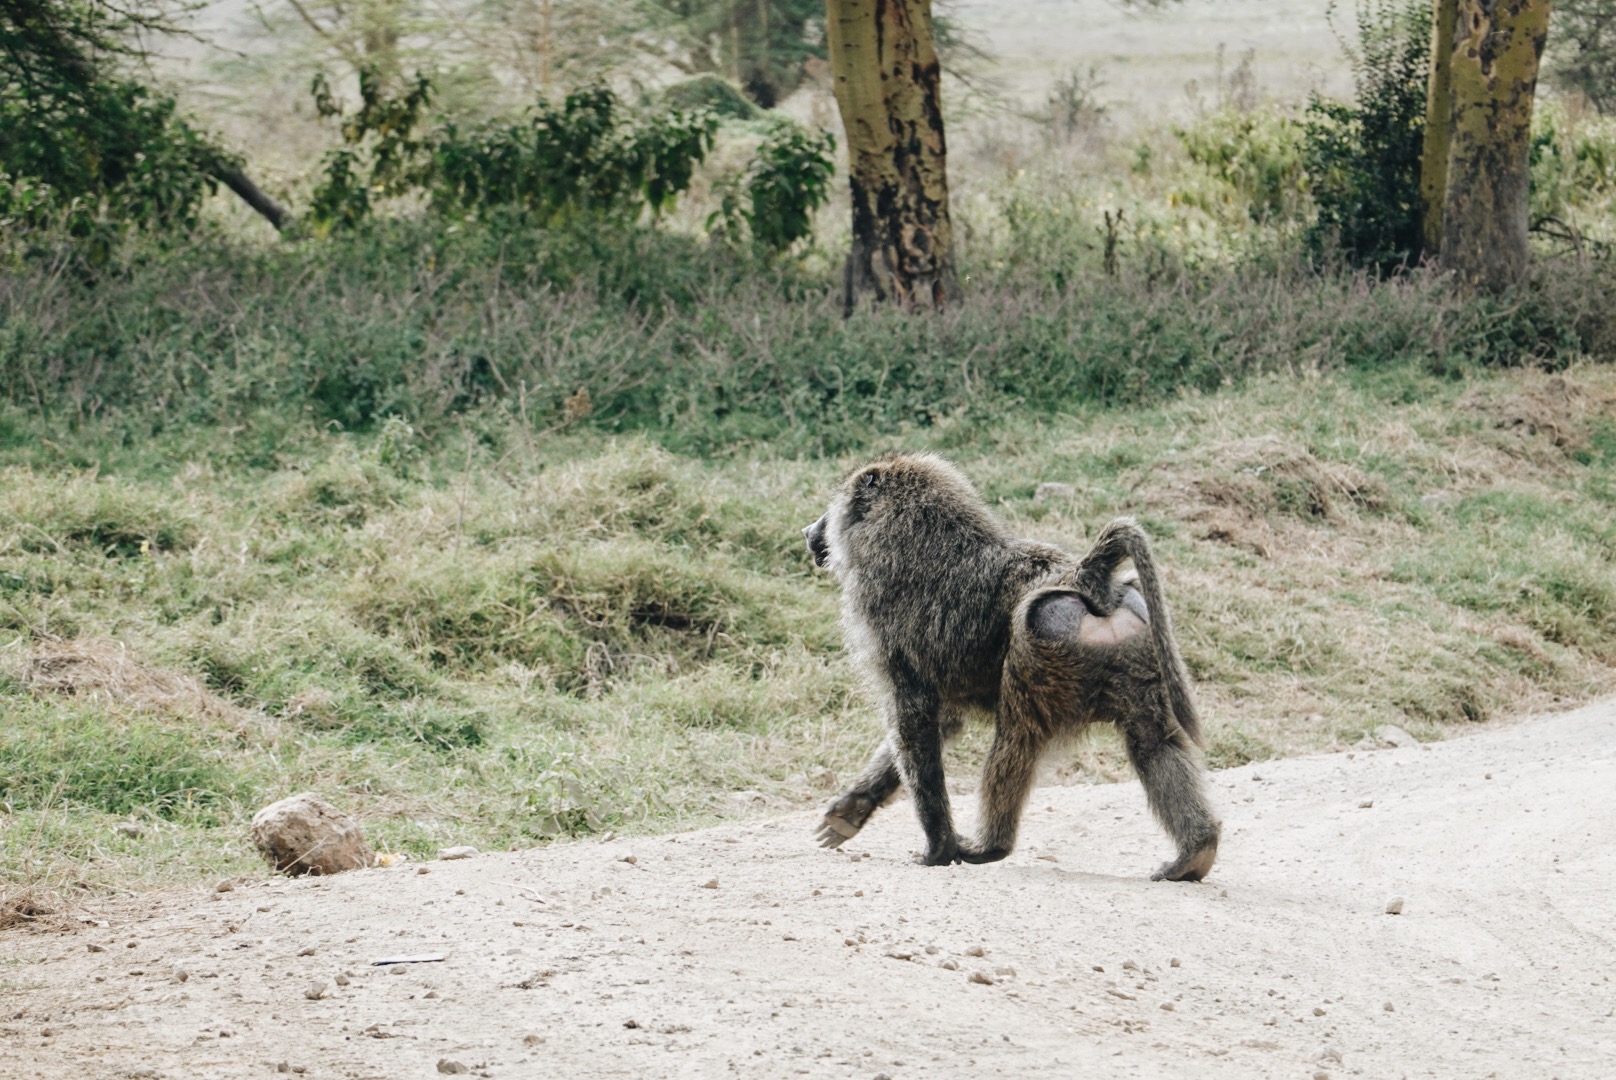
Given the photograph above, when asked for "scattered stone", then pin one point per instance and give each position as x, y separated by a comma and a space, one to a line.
1321, 1076
1129, 965
1392, 735
342, 980
712, 884
1050, 490
948, 965
284, 1067
1366, 804
465, 851
1174, 962
1394, 906
304, 834
451, 1068
931, 950
1008, 972
533, 1040
1389, 1007
630, 858
881, 1076
1317, 1011
224, 886
306, 952
1124, 995
181, 975
976, 950
981, 977
93, 947
1168, 1006
1328, 1053
631, 1023
131, 829
316, 991
898, 954
423, 869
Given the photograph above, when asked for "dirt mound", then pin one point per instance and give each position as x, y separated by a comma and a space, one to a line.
99, 668
1557, 407
1237, 491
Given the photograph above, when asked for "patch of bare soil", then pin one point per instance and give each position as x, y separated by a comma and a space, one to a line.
745, 950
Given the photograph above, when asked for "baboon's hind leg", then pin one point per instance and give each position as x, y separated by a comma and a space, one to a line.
1007, 778
1176, 788
875, 785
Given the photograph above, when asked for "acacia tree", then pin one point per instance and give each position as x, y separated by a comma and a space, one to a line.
1492, 75
886, 78
1438, 125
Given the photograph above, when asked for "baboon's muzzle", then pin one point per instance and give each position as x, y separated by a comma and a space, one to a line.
815, 535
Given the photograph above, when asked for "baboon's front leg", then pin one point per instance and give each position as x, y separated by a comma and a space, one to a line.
917, 731
1175, 786
1007, 779
875, 785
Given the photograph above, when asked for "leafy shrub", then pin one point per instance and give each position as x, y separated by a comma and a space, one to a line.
1362, 157
787, 179
1573, 162
1257, 155
586, 155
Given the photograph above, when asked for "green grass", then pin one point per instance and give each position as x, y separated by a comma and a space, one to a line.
502, 638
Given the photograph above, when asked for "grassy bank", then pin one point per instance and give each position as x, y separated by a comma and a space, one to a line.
499, 637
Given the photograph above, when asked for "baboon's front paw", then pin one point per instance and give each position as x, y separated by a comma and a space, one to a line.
834, 831
843, 819
945, 854
1191, 867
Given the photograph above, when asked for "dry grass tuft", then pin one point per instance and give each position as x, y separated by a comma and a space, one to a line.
27, 904
101, 669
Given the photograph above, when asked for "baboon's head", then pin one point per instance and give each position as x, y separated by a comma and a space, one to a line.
878, 505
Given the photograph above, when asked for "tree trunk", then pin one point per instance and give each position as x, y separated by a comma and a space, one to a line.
1496, 48
884, 68
1438, 125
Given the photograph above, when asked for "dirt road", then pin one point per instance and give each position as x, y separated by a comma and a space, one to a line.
743, 950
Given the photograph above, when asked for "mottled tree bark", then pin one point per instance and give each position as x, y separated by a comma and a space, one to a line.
1496, 48
885, 73
1438, 124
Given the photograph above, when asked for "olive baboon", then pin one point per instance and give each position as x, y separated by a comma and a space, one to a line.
948, 613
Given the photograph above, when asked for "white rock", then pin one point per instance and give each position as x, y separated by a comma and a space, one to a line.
304, 834
465, 851
1392, 735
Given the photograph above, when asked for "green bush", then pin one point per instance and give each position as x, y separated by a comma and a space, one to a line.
1363, 158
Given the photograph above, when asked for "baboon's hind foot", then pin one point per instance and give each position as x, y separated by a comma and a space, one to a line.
1191, 866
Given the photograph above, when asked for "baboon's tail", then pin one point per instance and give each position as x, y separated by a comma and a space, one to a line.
1124, 537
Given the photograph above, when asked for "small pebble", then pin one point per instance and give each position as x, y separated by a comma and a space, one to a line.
981, 977
1394, 906
1167, 1006
948, 965
423, 870
452, 1068
316, 991
1174, 962
630, 858
1366, 804
713, 884
1317, 1011
307, 952
465, 851
224, 886
976, 950
93, 947
1389, 1007
341, 980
